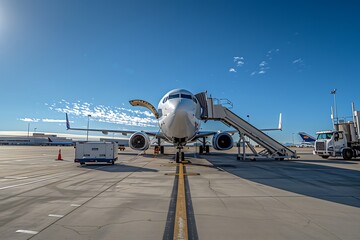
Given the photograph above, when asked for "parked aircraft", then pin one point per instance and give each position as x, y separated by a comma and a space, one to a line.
308, 140
179, 119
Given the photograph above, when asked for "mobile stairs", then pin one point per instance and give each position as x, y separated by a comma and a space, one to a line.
218, 112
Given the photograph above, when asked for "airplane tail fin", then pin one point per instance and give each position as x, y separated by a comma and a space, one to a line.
67, 122
306, 137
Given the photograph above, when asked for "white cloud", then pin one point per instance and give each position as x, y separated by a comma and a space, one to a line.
236, 59
263, 64
240, 61
107, 114
262, 72
29, 119
299, 60
53, 120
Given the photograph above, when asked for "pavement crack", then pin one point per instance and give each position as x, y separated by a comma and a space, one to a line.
216, 193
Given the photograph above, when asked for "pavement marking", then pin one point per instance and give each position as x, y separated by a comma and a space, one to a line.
22, 184
180, 228
27, 231
170, 220
14, 177
191, 223
75, 205
56, 215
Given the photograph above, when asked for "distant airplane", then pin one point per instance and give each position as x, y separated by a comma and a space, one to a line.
59, 143
179, 119
308, 140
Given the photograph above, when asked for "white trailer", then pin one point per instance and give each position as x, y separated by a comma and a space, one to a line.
343, 141
92, 152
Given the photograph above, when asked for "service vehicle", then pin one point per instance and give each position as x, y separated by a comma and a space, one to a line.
95, 152
343, 141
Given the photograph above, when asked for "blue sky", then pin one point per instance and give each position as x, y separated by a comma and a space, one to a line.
266, 57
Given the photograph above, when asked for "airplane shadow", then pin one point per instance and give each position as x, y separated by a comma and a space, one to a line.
117, 167
304, 177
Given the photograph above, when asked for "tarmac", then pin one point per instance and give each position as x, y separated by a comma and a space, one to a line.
140, 197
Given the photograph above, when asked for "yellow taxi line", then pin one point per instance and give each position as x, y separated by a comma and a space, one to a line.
180, 228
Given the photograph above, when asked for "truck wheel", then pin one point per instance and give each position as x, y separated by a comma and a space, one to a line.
347, 154
325, 157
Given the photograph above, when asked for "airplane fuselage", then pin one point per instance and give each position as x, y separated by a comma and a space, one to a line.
179, 119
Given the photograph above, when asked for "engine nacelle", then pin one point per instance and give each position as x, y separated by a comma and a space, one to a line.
139, 141
222, 141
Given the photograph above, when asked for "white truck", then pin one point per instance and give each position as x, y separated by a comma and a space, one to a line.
94, 152
343, 141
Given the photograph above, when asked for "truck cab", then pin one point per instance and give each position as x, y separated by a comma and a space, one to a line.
332, 143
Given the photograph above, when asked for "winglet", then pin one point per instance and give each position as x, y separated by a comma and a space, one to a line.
67, 122
280, 122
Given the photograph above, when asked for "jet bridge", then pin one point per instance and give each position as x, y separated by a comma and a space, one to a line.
218, 112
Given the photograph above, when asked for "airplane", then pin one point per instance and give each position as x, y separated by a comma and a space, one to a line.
179, 118
308, 140
59, 143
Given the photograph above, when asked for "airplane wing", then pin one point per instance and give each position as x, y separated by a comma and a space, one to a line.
106, 131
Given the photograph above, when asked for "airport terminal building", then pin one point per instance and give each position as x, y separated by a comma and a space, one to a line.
39, 139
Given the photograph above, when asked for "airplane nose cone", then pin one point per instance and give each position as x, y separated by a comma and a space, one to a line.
182, 125
181, 106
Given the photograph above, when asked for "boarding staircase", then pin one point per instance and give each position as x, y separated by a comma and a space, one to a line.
218, 112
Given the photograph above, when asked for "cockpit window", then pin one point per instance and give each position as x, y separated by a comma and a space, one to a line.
186, 96
174, 96
165, 99
194, 99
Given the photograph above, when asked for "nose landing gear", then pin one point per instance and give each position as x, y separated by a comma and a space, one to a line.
180, 156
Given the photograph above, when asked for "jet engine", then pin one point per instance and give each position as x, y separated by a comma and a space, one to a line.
222, 141
139, 141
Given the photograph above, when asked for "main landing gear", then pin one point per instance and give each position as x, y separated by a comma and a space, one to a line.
203, 147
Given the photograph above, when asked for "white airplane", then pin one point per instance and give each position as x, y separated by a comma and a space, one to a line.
179, 118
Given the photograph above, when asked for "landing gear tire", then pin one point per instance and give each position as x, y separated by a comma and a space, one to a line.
325, 157
207, 149
162, 149
177, 157
201, 149
347, 154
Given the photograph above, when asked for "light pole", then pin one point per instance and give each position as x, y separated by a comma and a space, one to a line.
87, 132
333, 92
28, 129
